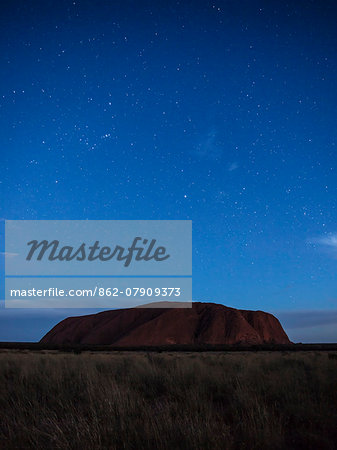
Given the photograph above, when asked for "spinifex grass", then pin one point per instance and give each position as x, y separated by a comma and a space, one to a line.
139, 400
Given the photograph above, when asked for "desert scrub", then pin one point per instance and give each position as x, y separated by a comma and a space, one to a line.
139, 400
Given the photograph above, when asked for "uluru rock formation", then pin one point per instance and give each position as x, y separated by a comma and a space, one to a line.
204, 323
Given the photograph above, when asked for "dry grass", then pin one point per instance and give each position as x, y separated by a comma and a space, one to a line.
168, 400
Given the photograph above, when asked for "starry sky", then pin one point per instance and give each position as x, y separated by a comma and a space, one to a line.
222, 112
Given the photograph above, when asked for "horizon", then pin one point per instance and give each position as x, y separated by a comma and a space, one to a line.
299, 325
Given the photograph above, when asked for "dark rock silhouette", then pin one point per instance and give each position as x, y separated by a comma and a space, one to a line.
204, 323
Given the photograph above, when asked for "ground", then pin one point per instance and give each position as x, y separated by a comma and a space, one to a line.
168, 400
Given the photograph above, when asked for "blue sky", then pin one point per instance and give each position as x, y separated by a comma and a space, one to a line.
219, 112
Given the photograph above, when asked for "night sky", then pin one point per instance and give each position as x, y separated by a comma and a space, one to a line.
219, 112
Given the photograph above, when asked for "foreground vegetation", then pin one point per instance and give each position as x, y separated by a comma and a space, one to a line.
265, 400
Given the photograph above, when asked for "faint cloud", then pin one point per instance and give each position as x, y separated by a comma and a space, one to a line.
327, 243
307, 318
233, 166
8, 254
330, 241
210, 146
309, 325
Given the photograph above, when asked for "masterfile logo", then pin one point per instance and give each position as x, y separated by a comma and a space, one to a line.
98, 263
92, 252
